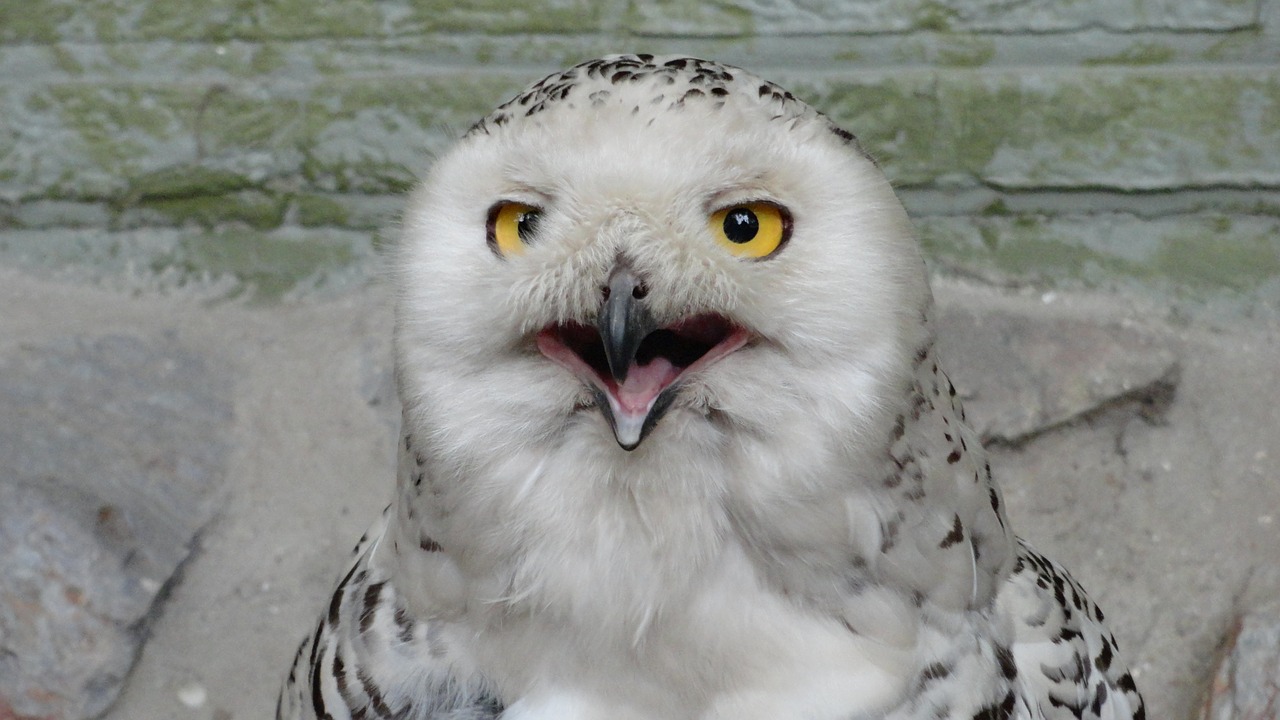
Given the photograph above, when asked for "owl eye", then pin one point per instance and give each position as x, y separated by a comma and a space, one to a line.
754, 230
512, 226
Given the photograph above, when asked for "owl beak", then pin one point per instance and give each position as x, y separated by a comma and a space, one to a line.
624, 321
634, 366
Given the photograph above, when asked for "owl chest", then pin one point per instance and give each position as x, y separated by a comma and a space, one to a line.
722, 647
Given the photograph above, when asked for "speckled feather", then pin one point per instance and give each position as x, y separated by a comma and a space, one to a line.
829, 544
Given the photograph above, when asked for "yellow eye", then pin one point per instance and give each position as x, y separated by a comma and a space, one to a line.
754, 230
511, 227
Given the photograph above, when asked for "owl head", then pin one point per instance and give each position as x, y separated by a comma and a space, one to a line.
654, 254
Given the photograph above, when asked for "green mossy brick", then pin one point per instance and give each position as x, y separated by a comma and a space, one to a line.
960, 49
513, 16
209, 20
1122, 129
222, 20
1192, 255
294, 19
425, 101
555, 52
824, 17
255, 210
894, 117
378, 135
314, 210
485, 52
184, 181
125, 57
267, 58
249, 61
692, 18
351, 212
87, 140
126, 21
58, 215
267, 267
242, 119
253, 137
1026, 252
965, 51
349, 134
123, 21
120, 123
1239, 45
27, 21
264, 267
368, 175
1210, 257
66, 61
1137, 54
997, 208
935, 16
848, 56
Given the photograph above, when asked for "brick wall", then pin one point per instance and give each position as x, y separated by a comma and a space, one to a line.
265, 145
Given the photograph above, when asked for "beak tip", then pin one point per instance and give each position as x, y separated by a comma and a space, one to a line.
628, 431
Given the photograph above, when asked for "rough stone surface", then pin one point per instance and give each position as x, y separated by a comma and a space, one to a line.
133, 20
130, 20
271, 266
801, 17
1164, 254
1021, 375
144, 143
111, 460
1247, 683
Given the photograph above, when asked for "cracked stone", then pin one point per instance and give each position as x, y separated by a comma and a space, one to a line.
1247, 682
1021, 375
111, 468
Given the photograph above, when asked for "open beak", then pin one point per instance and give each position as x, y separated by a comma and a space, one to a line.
633, 365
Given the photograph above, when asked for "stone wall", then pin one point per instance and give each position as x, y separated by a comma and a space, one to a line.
264, 146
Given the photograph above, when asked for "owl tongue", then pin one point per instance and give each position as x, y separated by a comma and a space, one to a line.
635, 396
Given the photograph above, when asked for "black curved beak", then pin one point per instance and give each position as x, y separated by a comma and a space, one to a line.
624, 320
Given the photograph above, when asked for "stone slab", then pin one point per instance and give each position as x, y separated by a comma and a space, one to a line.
111, 461
1021, 375
1247, 682
229, 262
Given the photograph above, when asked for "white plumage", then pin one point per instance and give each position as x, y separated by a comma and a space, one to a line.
676, 444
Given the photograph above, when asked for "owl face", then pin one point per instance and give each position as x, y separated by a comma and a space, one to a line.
653, 251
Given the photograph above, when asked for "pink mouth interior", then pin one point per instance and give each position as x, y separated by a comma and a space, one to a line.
663, 357
643, 384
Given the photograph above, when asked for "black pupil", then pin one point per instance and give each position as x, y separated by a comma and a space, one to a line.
527, 224
741, 225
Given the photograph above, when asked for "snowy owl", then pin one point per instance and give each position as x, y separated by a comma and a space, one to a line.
676, 443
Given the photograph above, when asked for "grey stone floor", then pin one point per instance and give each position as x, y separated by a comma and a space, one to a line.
1142, 454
